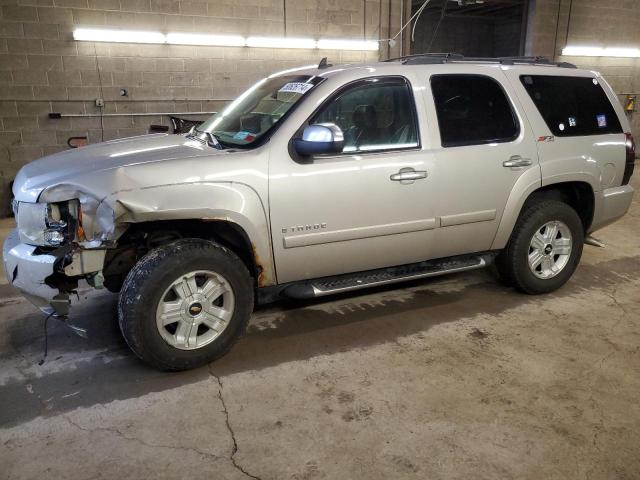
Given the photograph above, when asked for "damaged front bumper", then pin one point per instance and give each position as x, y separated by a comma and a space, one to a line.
26, 270
38, 275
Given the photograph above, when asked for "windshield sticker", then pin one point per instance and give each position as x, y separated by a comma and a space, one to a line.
572, 121
602, 120
246, 136
296, 87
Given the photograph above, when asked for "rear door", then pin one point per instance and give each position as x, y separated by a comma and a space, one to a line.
485, 150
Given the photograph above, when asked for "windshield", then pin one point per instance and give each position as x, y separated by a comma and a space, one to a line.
258, 110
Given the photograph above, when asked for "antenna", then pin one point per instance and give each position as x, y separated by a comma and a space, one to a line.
323, 64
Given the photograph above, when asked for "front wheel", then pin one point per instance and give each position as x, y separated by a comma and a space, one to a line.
185, 304
544, 249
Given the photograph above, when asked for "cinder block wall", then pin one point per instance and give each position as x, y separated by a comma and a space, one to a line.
43, 70
615, 23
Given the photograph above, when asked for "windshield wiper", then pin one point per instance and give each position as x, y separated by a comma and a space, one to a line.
211, 138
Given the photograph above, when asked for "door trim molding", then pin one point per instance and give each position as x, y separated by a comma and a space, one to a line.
305, 240
469, 217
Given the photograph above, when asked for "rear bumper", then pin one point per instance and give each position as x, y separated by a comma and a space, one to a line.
27, 271
610, 205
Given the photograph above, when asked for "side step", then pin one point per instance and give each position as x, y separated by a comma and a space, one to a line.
384, 276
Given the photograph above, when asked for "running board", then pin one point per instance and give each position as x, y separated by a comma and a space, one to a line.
384, 276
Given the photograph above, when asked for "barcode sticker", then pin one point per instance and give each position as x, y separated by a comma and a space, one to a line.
296, 87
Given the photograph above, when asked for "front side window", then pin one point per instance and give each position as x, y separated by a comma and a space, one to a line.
472, 110
572, 106
258, 110
376, 114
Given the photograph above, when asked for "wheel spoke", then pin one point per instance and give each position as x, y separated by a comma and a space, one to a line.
171, 312
181, 290
562, 246
547, 265
192, 339
219, 313
212, 290
535, 259
187, 287
182, 332
212, 322
538, 242
551, 232
191, 285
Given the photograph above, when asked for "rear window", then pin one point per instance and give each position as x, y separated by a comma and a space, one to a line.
572, 106
472, 110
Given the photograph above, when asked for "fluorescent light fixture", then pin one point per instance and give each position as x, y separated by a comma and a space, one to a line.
141, 36
622, 52
120, 36
205, 39
335, 44
280, 42
591, 51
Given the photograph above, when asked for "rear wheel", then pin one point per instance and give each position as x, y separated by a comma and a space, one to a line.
185, 304
544, 249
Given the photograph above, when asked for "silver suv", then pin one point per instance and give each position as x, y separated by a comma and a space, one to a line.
323, 180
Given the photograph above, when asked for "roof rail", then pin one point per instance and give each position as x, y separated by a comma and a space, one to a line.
439, 55
439, 58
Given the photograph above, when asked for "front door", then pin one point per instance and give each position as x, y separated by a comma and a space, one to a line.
365, 207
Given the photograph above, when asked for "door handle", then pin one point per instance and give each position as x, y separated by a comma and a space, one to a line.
517, 161
408, 175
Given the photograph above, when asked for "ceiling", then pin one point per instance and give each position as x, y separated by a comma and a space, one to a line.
490, 9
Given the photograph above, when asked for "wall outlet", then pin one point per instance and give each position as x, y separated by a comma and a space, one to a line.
99, 102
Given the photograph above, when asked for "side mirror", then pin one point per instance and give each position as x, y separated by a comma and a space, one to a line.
318, 139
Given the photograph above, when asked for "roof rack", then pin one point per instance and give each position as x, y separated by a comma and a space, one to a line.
439, 58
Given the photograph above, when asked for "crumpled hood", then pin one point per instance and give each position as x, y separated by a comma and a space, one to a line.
63, 166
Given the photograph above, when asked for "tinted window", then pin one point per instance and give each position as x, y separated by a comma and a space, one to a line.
377, 114
472, 109
572, 106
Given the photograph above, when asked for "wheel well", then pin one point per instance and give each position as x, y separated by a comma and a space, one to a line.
142, 237
578, 195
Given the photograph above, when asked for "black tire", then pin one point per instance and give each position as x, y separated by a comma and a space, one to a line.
153, 274
512, 263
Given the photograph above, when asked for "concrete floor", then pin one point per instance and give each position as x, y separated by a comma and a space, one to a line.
453, 378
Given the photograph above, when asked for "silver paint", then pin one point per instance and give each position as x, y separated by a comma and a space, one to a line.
465, 199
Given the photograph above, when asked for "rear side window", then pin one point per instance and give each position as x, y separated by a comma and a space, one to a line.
572, 106
472, 110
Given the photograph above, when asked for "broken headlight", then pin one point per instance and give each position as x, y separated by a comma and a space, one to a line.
48, 224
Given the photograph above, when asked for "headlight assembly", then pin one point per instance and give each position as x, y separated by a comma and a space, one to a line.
48, 224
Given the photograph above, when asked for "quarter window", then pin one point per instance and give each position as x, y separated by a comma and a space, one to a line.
377, 114
572, 106
472, 110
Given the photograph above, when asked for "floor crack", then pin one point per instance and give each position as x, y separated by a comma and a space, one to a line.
229, 428
121, 434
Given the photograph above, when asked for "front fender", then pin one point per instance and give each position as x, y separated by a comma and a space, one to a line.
227, 201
